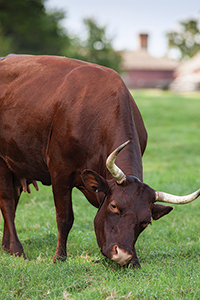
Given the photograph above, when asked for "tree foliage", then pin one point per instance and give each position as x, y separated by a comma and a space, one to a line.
27, 27
97, 47
186, 39
30, 29
5, 44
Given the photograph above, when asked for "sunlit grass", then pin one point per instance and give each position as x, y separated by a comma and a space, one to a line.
169, 251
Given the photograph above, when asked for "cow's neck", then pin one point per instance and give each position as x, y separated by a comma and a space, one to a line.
131, 164
129, 160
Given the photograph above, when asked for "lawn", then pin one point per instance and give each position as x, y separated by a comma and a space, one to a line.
169, 251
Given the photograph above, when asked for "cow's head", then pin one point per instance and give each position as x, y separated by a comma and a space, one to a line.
126, 210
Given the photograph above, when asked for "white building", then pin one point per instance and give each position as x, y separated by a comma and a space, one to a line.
187, 76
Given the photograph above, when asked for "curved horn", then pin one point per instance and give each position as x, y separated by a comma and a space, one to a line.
111, 166
168, 198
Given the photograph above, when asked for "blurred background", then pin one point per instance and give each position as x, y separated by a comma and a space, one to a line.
151, 43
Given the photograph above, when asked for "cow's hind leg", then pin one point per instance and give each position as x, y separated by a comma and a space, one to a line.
6, 237
8, 204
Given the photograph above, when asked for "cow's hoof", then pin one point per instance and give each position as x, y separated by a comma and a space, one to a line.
17, 254
60, 258
17, 250
5, 247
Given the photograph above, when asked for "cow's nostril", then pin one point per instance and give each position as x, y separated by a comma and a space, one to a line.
115, 252
120, 256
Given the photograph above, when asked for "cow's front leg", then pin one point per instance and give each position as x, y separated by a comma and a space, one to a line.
64, 218
135, 261
6, 238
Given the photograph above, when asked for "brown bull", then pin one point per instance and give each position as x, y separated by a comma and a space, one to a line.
59, 121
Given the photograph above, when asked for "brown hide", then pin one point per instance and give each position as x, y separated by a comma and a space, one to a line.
58, 117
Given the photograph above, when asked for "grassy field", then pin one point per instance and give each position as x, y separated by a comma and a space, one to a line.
169, 251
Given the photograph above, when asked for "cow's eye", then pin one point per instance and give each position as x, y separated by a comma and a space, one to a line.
113, 206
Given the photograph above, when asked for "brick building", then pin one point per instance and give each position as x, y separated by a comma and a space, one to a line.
141, 70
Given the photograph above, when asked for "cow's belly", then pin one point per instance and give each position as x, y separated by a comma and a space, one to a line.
23, 148
32, 169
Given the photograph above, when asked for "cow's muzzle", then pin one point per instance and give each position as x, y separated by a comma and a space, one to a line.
120, 256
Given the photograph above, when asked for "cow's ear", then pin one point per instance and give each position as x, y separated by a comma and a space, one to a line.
159, 211
94, 182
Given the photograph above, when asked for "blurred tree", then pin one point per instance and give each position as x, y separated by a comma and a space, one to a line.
30, 29
5, 45
26, 27
186, 40
97, 48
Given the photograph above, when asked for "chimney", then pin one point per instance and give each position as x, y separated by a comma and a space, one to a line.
143, 41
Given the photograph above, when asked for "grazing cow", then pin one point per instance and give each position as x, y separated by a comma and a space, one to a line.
63, 122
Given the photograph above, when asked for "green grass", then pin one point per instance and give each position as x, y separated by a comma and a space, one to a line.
169, 251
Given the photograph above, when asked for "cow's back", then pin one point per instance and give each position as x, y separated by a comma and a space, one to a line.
86, 105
